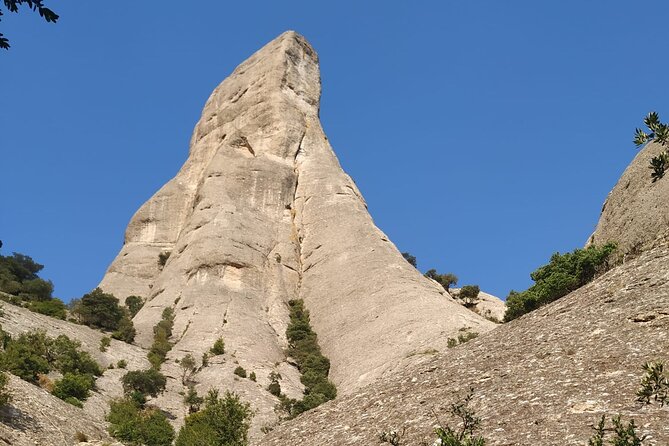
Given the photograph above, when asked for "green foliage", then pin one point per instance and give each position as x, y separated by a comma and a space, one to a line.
462, 338
218, 348
411, 259
5, 396
53, 307
188, 367
161, 335
105, 342
73, 386
313, 365
145, 382
564, 274
133, 425
134, 304
240, 371
274, 387
621, 434
469, 294
122, 363
98, 309
445, 280
253, 376
463, 434
36, 5
19, 279
654, 384
193, 400
74, 401
222, 422
659, 133
126, 330
33, 353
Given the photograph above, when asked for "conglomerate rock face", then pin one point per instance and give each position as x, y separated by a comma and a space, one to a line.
636, 211
545, 378
262, 213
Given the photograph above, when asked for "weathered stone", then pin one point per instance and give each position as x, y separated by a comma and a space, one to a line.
261, 213
636, 211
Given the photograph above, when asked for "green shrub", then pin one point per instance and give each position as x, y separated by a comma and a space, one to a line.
136, 426
253, 376
621, 434
161, 334
223, 421
5, 396
313, 365
188, 368
27, 356
564, 274
659, 133
69, 358
162, 258
81, 437
411, 259
468, 423
105, 342
74, 401
126, 330
121, 364
469, 294
98, 309
146, 382
134, 304
274, 387
240, 371
654, 384
445, 280
75, 386
193, 400
218, 348
53, 307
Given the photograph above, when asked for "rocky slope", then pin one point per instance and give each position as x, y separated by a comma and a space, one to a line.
635, 211
36, 418
544, 379
261, 213
489, 306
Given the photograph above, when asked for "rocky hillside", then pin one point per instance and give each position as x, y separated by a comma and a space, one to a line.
545, 378
262, 213
635, 211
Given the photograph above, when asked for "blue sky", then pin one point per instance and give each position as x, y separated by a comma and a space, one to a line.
484, 135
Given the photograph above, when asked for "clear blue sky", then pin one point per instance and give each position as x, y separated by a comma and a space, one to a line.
484, 135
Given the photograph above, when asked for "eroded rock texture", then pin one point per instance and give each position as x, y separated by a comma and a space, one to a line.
635, 212
261, 213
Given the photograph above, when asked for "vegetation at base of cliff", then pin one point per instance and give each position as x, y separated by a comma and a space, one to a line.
102, 311
134, 304
659, 133
564, 274
222, 421
138, 384
654, 384
136, 425
161, 339
468, 423
462, 338
313, 365
23, 287
33, 354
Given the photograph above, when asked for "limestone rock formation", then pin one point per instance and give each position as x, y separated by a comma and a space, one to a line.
543, 379
636, 211
262, 213
489, 306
